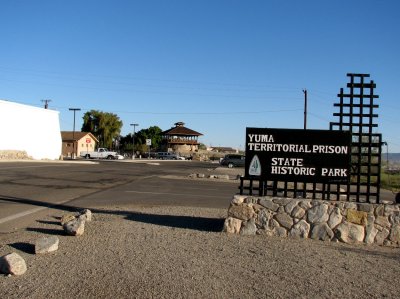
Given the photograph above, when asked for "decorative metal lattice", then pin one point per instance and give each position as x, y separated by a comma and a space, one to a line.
356, 114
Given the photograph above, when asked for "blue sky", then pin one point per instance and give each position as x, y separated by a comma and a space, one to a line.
218, 66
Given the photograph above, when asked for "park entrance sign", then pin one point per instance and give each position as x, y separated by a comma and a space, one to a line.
342, 163
310, 156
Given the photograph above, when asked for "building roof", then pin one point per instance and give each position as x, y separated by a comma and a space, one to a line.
223, 149
180, 129
69, 135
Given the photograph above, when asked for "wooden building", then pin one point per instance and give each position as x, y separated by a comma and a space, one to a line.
180, 139
73, 143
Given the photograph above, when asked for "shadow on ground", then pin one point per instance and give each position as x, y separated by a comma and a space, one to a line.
47, 231
24, 247
186, 222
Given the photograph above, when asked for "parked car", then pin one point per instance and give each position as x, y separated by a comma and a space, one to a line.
100, 153
166, 156
233, 160
119, 157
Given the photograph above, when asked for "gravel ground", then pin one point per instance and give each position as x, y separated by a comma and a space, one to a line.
175, 252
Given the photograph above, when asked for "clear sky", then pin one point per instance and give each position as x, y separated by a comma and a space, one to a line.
218, 66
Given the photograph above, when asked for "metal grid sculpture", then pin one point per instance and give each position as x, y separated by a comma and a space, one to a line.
356, 114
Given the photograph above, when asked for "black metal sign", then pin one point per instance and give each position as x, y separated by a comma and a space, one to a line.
314, 156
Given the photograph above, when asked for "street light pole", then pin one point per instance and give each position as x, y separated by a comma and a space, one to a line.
73, 132
387, 153
133, 140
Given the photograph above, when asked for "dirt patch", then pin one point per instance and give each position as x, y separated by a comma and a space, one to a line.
235, 171
176, 252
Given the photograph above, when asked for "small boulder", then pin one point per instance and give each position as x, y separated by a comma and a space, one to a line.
249, 228
243, 212
322, 232
357, 217
335, 218
67, 218
381, 236
298, 212
300, 230
284, 220
263, 218
86, 214
269, 204
395, 234
46, 244
348, 232
232, 225
238, 199
280, 232
12, 264
383, 221
75, 227
318, 214
370, 233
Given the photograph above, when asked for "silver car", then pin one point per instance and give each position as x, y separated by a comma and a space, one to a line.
166, 156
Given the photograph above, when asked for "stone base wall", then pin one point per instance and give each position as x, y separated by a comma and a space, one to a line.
14, 155
346, 222
184, 148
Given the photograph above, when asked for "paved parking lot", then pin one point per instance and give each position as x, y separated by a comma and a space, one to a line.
27, 188
30, 187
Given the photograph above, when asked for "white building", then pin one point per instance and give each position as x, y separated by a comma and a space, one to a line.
31, 129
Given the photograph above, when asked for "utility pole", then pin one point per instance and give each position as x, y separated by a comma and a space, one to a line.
305, 108
133, 140
387, 153
46, 103
73, 132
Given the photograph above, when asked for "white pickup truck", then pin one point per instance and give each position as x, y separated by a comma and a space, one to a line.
101, 153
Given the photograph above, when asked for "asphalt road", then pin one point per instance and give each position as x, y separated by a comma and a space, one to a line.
27, 189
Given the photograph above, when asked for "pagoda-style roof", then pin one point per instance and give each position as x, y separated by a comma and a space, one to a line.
181, 130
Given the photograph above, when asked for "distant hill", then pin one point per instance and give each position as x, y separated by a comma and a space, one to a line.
393, 157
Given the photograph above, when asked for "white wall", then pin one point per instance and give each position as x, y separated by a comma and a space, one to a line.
31, 129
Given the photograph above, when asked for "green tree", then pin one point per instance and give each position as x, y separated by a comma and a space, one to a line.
153, 133
126, 143
202, 146
105, 126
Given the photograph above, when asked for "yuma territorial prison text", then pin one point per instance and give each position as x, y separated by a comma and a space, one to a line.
265, 143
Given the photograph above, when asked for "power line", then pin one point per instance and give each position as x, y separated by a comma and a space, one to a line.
319, 117
195, 113
164, 93
53, 74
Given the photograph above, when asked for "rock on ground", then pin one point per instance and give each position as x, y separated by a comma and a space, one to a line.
46, 244
12, 264
75, 227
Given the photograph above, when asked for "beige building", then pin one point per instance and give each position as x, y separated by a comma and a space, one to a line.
77, 143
